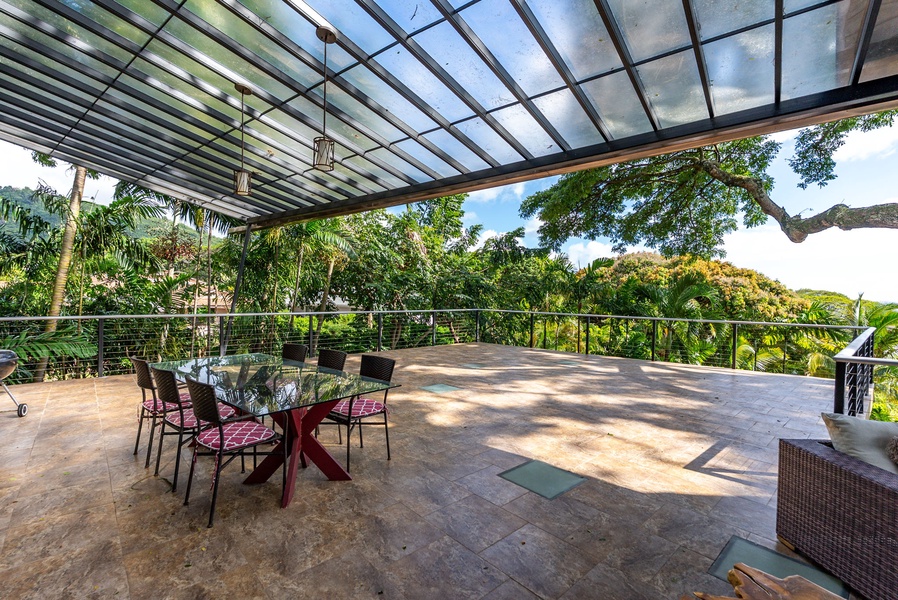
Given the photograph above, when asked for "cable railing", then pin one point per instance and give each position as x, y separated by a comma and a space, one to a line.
752, 345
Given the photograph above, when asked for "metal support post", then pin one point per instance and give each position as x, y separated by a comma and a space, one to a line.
654, 338
477, 326
100, 327
311, 337
735, 345
433, 330
380, 332
246, 237
532, 331
839, 397
587, 336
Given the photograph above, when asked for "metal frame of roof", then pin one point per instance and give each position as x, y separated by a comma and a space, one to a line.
425, 98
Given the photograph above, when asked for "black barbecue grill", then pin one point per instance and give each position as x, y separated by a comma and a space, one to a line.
8, 363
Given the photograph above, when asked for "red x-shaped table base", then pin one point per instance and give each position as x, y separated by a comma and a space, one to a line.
304, 421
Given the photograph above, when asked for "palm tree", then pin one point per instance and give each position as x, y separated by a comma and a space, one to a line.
681, 299
306, 237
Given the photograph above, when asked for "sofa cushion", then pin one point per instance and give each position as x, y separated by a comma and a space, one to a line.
865, 440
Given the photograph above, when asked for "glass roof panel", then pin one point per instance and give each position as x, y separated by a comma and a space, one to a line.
569, 118
411, 15
344, 135
48, 70
741, 69
364, 165
487, 138
674, 89
363, 115
500, 27
182, 104
299, 30
399, 164
405, 67
883, 45
461, 62
578, 33
150, 11
341, 170
618, 105
20, 29
392, 101
414, 148
249, 38
790, 6
351, 20
178, 127
651, 27
819, 48
218, 58
717, 17
526, 130
449, 144
93, 13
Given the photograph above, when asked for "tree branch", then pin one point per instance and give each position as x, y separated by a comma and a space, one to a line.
883, 216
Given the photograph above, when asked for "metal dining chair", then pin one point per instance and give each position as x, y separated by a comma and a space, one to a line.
181, 422
352, 413
331, 359
154, 409
297, 352
219, 437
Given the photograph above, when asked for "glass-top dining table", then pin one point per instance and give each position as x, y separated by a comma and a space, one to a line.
297, 396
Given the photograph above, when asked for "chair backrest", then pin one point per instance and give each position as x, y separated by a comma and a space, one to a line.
205, 404
166, 385
295, 352
377, 367
144, 380
331, 359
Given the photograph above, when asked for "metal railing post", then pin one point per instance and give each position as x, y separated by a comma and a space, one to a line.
654, 337
587, 336
311, 338
433, 329
839, 397
221, 335
735, 345
100, 342
380, 332
532, 330
477, 326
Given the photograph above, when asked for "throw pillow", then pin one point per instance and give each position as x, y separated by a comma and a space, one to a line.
862, 439
892, 449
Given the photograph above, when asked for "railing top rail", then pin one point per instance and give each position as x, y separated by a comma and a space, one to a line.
715, 321
860, 360
428, 311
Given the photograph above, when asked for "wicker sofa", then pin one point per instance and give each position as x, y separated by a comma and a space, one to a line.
841, 513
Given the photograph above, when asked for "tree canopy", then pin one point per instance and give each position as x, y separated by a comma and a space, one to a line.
686, 201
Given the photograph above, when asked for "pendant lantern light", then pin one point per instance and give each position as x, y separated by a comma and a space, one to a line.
323, 149
243, 179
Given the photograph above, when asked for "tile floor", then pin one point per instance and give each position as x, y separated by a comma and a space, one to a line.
678, 459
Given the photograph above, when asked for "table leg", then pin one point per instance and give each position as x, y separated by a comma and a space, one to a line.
300, 426
312, 448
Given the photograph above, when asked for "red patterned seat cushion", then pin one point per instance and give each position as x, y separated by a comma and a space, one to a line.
190, 420
361, 407
239, 434
158, 406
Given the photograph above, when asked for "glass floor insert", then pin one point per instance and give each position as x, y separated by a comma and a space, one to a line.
542, 478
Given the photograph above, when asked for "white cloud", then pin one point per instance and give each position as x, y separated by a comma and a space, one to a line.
487, 195
22, 172
581, 254
860, 145
469, 217
489, 233
513, 192
848, 262
784, 136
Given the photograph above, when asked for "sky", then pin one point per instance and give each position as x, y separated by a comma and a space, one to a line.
854, 262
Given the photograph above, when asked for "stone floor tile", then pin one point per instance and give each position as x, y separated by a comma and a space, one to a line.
487, 484
475, 523
539, 561
444, 568
511, 590
609, 584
